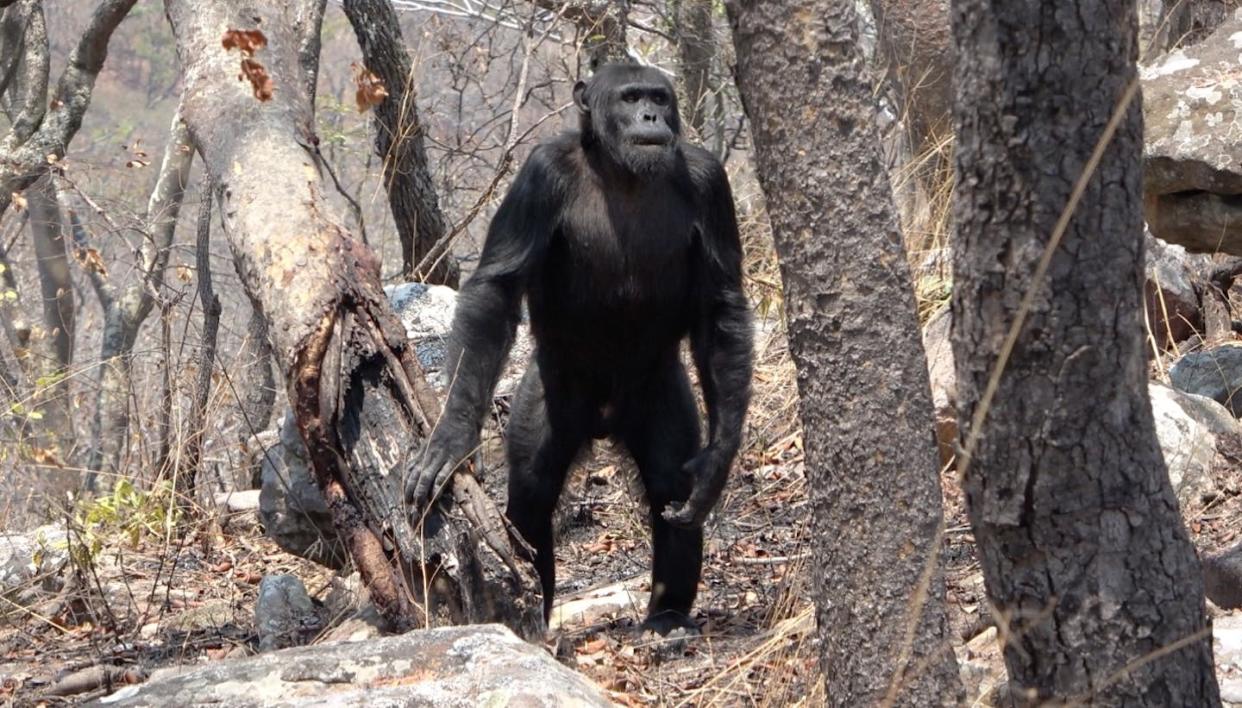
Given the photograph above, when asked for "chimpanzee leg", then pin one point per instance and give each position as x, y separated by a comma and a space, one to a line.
660, 428
544, 437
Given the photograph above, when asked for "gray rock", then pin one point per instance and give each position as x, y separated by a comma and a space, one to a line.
1214, 373
1188, 446
31, 563
455, 666
284, 615
1193, 161
292, 510
1174, 312
1222, 578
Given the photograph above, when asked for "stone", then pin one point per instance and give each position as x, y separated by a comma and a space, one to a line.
1214, 373
292, 510
480, 665
590, 607
1222, 578
31, 563
1173, 309
1193, 159
284, 615
1188, 446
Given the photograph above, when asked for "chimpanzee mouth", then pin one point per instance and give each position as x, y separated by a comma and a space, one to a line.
651, 141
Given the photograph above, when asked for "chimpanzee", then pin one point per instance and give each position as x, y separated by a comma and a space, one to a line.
623, 240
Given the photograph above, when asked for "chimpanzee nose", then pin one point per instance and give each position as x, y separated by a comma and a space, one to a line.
649, 117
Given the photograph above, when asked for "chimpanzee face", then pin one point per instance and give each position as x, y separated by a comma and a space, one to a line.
632, 111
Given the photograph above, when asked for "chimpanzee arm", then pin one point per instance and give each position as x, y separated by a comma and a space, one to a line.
721, 340
487, 315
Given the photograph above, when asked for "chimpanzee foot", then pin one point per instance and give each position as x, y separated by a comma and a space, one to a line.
671, 624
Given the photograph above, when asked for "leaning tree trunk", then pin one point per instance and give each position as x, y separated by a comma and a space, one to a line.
1083, 550
865, 397
399, 141
355, 387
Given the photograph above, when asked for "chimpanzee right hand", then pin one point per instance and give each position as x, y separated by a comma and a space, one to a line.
448, 447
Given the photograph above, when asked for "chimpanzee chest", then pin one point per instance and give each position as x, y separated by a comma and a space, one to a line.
617, 286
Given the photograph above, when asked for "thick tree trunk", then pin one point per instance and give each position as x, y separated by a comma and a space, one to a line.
399, 141
1082, 546
355, 387
865, 398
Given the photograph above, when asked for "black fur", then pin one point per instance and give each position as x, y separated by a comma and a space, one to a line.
623, 246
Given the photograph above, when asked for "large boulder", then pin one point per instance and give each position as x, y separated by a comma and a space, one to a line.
1193, 161
1189, 429
455, 666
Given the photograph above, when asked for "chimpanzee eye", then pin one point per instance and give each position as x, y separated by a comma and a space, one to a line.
659, 98
630, 97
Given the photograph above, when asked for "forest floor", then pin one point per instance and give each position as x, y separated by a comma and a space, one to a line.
163, 601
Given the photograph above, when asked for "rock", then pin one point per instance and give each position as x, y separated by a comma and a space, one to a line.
592, 606
427, 313
212, 614
1173, 310
1231, 690
482, 665
981, 666
1188, 446
1222, 578
1193, 159
284, 614
364, 624
292, 510
31, 563
943, 381
1214, 373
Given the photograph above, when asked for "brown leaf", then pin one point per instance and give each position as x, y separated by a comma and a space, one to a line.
184, 274
369, 88
90, 259
43, 456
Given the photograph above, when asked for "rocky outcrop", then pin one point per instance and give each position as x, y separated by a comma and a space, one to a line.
1192, 100
455, 666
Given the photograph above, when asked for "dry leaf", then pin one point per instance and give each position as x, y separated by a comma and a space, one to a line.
19, 201
184, 274
90, 259
248, 42
369, 89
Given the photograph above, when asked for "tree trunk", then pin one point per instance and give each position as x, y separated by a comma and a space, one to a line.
53, 352
399, 141
187, 472
355, 387
1083, 550
865, 397
696, 47
127, 309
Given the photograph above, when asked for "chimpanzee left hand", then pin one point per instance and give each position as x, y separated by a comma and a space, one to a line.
709, 470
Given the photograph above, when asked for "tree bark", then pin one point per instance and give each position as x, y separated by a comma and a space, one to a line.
25, 151
187, 474
125, 311
399, 141
53, 353
355, 387
696, 47
1083, 550
865, 397
603, 22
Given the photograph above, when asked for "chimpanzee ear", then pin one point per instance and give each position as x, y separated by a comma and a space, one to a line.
580, 97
